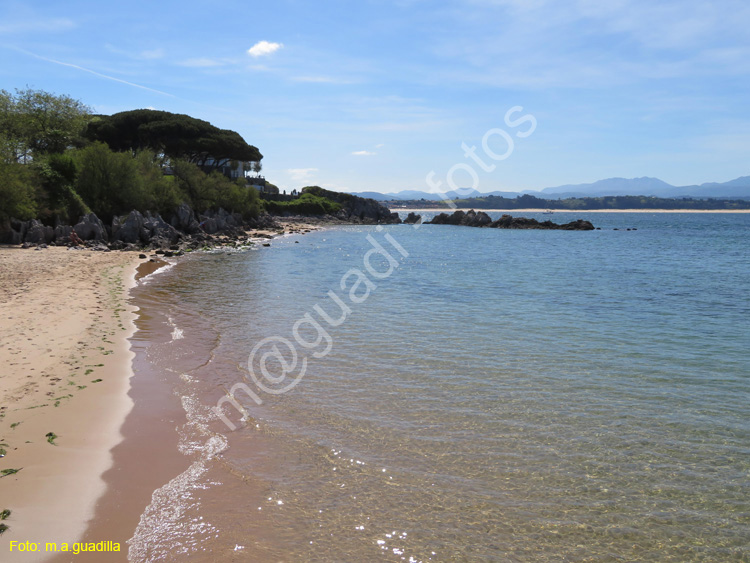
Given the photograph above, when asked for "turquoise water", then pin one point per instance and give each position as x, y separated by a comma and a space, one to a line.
500, 396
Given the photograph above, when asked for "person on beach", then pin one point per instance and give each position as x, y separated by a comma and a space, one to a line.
75, 239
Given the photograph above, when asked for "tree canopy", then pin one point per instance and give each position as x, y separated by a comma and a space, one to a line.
34, 123
175, 135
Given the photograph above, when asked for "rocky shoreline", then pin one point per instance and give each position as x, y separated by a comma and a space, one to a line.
187, 231
184, 232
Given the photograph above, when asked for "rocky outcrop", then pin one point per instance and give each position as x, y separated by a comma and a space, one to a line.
183, 219
37, 233
263, 221
62, 234
89, 227
219, 221
481, 219
144, 229
355, 209
129, 229
157, 228
412, 218
466, 219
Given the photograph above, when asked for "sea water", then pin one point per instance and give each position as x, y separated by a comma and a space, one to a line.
494, 395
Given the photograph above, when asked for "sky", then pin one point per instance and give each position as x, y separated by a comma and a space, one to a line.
390, 95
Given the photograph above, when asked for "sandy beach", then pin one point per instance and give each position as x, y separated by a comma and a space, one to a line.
66, 369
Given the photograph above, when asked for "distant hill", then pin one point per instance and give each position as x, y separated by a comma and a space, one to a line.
739, 188
611, 186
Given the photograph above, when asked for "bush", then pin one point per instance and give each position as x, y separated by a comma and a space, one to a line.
18, 184
214, 190
109, 182
306, 204
58, 173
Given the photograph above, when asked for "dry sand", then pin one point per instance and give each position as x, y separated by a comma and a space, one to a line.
66, 365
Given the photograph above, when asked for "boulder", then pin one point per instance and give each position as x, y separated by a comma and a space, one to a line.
159, 228
37, 233
130, 229
412, 218
89, 227
62, 234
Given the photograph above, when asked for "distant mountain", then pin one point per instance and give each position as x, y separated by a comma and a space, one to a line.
416, 194
738, 188
377, 196
610, 186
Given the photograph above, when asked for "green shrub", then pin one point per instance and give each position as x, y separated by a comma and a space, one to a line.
18, 184
306, 204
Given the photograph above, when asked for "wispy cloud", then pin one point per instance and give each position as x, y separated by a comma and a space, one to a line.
363, 153
263, 48
299, 174
95, 73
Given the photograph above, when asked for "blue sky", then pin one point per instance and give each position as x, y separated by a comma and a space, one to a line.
375, 95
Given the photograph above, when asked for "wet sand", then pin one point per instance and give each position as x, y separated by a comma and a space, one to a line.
66, 369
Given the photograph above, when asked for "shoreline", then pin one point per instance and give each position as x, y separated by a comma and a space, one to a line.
555, 211
66, 352
70, 344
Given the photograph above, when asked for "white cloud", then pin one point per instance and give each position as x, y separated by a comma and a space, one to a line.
299, 174
363, 153
379, 145
262, 48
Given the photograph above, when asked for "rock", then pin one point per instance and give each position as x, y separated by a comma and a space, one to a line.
263, 221
130, 229
159, 228
142, 256
412, 218
37, 233
481, 219
184, 219
89, 227
62, 234
209, 226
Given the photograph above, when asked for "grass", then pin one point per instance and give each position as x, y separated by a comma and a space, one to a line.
51, 437
3, 453
6, 472
13, 426
96, 380
3, 515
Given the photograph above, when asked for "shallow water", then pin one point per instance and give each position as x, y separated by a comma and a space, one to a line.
500, 396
